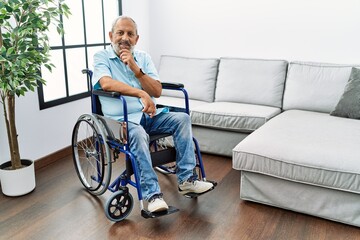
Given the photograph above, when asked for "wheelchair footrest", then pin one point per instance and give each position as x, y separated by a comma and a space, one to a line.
195, 195
147, 214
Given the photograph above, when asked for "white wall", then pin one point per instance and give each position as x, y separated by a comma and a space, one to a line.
139, 11
309, 30
41, 133
4, 150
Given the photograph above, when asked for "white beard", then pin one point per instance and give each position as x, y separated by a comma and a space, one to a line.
117, 49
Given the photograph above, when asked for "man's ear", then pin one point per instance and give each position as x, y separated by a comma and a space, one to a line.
137, 39
110, 36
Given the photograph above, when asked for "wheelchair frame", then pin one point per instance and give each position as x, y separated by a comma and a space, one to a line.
91, 153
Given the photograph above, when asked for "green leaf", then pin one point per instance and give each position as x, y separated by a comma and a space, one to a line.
10, 51
8, 8
25, 44
52, 9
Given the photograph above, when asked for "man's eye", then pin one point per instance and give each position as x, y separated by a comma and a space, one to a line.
120, 33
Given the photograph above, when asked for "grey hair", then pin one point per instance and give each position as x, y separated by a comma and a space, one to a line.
122, 18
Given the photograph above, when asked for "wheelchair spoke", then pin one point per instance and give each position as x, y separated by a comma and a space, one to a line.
91, 155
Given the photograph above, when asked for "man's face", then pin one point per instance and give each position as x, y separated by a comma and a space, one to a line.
124, 35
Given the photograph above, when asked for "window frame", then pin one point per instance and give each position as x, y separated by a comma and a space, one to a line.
69, 98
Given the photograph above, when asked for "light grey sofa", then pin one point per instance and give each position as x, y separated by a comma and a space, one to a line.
276, 119
229, 97
305, 159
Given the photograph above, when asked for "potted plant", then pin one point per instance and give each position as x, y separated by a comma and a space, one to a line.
24, 48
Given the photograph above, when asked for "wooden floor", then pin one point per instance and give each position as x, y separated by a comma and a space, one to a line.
59, 208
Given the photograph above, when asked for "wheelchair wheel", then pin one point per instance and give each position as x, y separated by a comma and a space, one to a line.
91, 154
119, 206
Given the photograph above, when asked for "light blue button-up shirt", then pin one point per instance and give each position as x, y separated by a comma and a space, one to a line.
107, 63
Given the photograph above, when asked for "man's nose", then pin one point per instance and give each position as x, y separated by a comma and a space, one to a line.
125, 37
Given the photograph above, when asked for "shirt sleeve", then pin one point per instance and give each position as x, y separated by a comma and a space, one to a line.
101, 68
150, 68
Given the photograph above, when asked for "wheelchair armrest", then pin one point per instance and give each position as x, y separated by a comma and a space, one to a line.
106, 94
117, 94
178, 87
168, 85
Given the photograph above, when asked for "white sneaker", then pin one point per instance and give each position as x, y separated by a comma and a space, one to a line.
157, 204
195, 186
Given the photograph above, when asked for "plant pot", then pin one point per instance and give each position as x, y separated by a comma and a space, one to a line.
17, 182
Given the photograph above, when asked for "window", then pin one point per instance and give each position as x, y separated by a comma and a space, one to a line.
86, 32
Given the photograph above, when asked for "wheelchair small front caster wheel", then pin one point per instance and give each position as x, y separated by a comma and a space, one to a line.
119, 206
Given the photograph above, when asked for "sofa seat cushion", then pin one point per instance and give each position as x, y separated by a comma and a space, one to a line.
308, 147
178, 102
230, 116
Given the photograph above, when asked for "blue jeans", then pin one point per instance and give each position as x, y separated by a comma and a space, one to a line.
179, 126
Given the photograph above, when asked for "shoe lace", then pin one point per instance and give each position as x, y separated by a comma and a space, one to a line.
192, 179
155, 196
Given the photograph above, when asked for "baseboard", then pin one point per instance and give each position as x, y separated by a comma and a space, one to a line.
53, 157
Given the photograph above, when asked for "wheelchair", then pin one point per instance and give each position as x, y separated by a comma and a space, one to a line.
96, 146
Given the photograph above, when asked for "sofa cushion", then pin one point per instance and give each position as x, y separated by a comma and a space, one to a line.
229, 116
197, 74
308, 147
252, 81
315, 86
349, 104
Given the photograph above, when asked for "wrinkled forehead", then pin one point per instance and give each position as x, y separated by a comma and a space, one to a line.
124, 23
